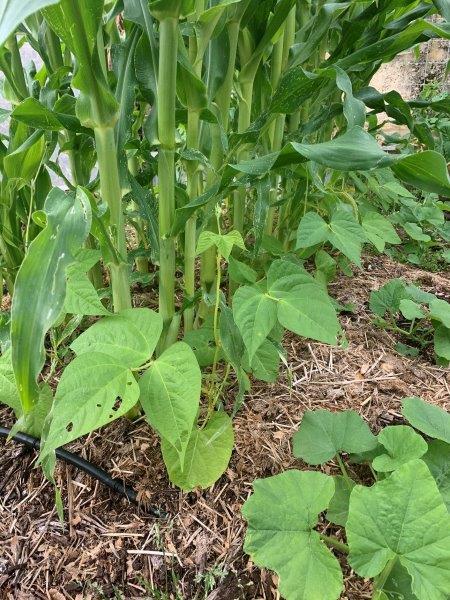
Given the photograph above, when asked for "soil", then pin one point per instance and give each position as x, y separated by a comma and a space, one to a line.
108, 548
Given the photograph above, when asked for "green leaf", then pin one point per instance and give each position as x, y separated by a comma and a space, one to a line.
255, 315
304, 307
346, 235
398, 585
23, 163
266, 362
415, 232
425, 170
427, 418
326, 267
170, 394
379, 230
337, 512
323, 434
240, 272
438, 461
410, 309
224, 243
402, 517
442, 342
39, 293
440, 310
230, 338
94, 390
387, 298
207, 454
9, 394
281, 514
36, 115
312, 230
402, 444
13, 14
33, 421
81, 296
131, 334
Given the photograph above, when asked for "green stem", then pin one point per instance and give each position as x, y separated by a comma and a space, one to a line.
334, 543
112, 194
344, 472
223, 101
380, 581
245, 107
168, 38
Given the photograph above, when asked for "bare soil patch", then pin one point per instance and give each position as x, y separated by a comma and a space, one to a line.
108, 548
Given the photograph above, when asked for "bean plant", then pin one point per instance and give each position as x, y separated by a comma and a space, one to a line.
214, 148
395, 518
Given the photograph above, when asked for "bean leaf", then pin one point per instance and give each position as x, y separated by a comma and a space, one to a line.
207, 455
170, 393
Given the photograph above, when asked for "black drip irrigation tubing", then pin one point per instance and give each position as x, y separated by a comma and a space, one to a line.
73, 459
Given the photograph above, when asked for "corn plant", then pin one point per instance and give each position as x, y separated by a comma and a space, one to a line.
397, 529
214, 147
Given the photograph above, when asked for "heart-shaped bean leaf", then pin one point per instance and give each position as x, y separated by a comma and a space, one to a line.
170, 394
130, 336
94, 390
402, 517
323, 434
207, 454
282, 513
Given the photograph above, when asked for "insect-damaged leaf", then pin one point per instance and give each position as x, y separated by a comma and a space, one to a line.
322, 434
39, 293
281, 514
170, 394
94, 390
207, 455
402, 517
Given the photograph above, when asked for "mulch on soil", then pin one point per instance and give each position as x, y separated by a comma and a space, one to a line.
108, 548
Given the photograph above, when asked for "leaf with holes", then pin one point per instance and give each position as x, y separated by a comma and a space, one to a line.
94, 390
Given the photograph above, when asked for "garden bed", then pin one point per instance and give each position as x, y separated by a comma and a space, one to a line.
108, 548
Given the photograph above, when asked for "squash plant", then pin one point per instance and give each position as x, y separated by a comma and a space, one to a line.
397, 528
227, 135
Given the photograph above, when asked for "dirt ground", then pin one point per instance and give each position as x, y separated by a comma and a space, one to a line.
108, 548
